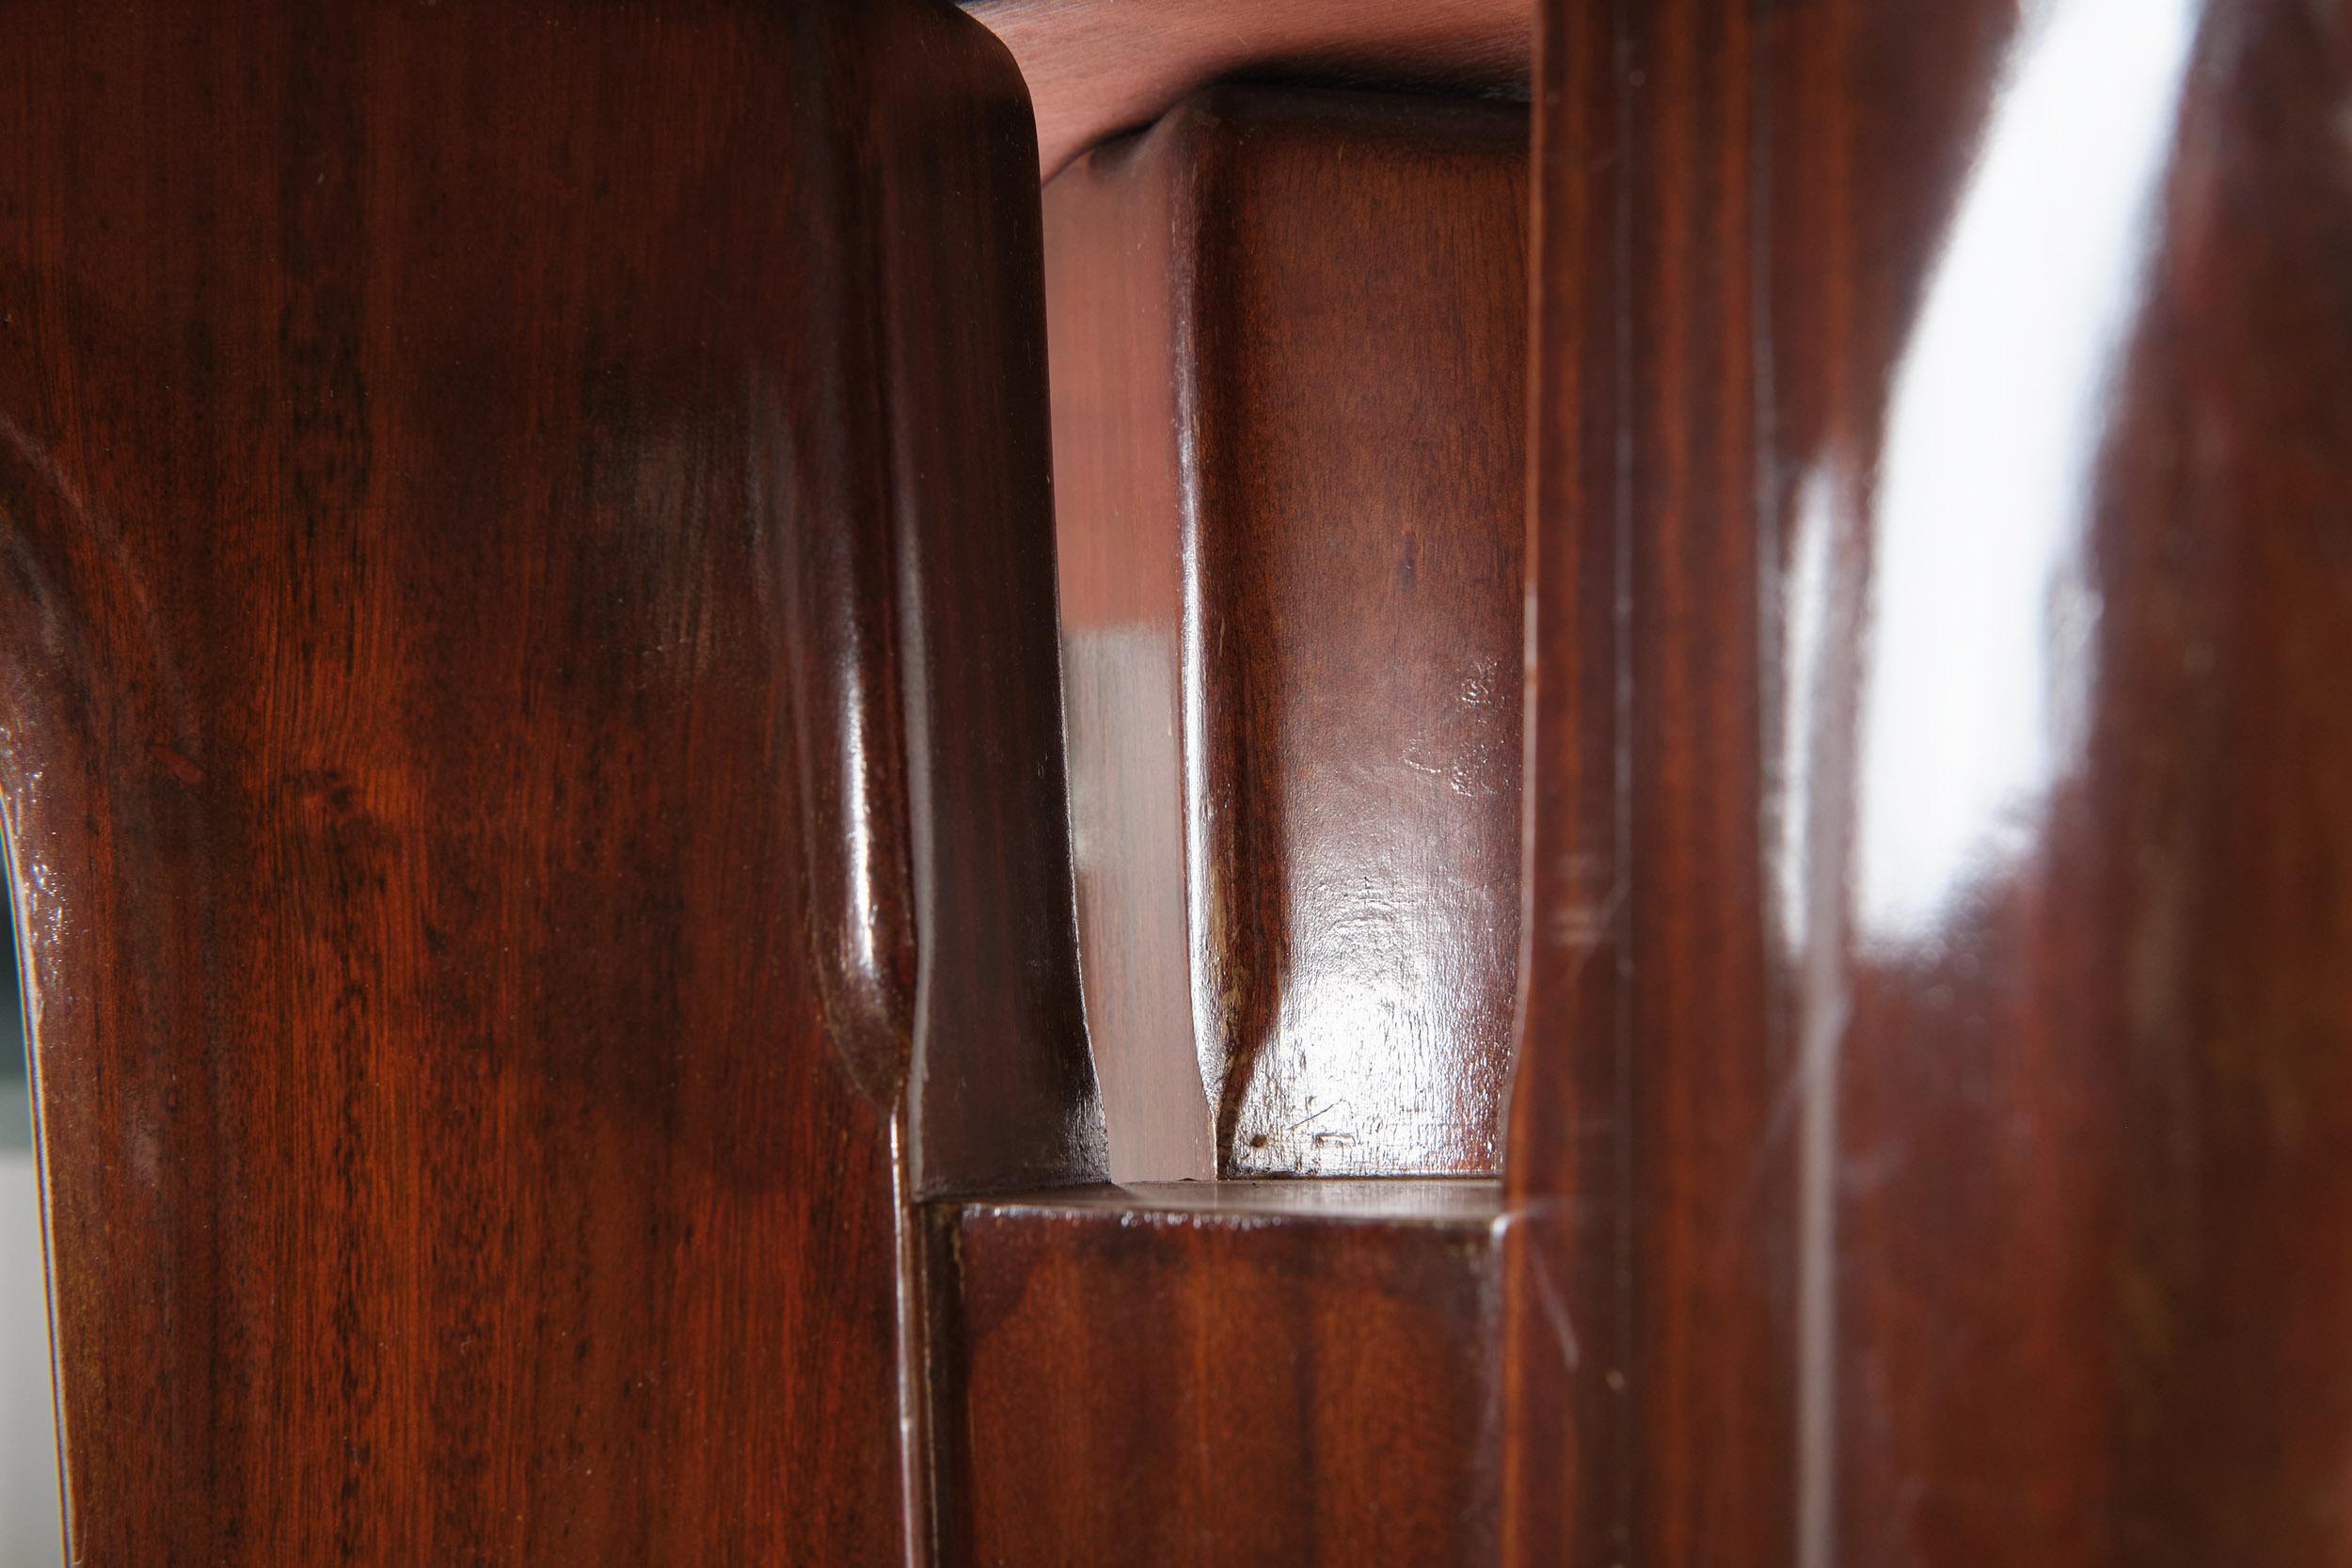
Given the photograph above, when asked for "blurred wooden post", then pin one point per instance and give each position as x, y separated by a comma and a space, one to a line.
1932, 1141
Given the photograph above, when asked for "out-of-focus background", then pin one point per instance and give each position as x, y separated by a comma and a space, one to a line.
30, 1535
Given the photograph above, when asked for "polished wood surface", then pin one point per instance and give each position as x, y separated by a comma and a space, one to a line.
531, 755
528, 733
1097, 68
1932, 1140
1288, 339
1212, 1372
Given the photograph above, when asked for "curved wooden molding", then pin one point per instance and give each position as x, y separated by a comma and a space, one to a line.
530, 733
1288, 330
1096, 68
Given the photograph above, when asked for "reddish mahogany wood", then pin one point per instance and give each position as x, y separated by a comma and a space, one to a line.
1934, 1127
1099, 67
529, 710
1288, 339
1204, 1373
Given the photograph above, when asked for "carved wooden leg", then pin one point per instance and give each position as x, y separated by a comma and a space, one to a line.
529, 638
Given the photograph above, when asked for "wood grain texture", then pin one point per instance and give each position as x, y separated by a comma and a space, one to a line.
528, 718
1929, 1145
1096, 68
1201, 1373
1288, 339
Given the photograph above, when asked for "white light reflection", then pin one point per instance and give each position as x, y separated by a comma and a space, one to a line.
1810, 646
1981, 619
1819, 609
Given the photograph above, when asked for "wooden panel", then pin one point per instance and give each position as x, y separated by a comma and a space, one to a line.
1933, 1134
1288, 336
528, 659
1201, 1373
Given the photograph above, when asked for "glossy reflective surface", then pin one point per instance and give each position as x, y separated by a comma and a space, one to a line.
1288, 333
1304, 1376
1396, 1199
529, 734
1931, 1146
1097, 68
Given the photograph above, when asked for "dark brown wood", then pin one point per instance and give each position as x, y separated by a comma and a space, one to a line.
1205, 1374
1288, 338
1287, 335
528, 720
1931, 1140
1096, 68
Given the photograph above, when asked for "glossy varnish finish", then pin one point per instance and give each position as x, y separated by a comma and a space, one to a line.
1096, 68
1288, 339
528, 688
1932, 1138
1204, 1373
